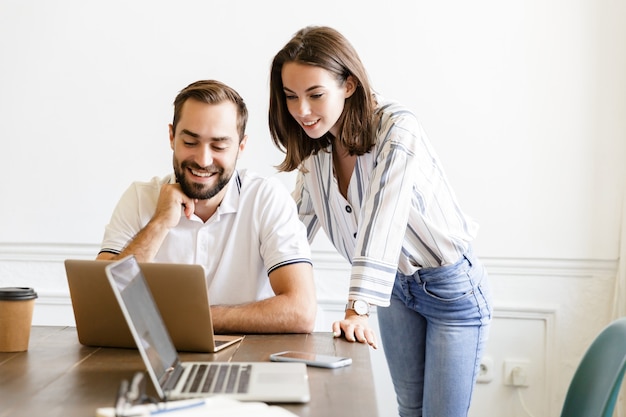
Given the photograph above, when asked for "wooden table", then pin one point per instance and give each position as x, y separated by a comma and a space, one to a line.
57, 376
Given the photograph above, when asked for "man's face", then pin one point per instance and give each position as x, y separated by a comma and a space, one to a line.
206, 147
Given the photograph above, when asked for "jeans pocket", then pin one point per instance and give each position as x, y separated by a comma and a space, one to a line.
451, 287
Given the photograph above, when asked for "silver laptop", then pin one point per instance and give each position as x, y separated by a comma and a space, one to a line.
180, 292
173, 379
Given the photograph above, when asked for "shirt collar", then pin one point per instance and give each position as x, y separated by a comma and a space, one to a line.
231, 199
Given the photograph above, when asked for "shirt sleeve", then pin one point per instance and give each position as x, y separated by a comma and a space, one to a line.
385, 211
282, 236
127, 218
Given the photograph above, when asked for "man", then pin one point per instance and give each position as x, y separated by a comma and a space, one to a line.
244, 229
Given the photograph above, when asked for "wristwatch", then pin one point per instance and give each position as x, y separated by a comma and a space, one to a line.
360, 307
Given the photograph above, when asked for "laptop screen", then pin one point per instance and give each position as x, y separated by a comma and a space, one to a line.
145, 317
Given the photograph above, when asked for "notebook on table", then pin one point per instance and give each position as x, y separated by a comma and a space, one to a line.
180, 292
174, 379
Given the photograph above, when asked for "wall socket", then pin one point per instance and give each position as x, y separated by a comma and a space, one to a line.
516, 372
486, 370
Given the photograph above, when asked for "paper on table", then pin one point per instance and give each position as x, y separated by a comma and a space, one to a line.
201, 408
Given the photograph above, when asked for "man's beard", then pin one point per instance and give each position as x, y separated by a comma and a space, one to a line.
200, 191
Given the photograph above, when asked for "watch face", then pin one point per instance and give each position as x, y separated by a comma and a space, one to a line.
361, 307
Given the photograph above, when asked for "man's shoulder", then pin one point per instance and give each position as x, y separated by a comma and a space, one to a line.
253, 181
154, 182
149, 189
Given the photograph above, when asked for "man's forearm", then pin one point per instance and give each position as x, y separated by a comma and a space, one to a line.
146, 242
278, 314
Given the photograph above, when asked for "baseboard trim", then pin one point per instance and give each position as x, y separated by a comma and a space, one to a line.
46, 252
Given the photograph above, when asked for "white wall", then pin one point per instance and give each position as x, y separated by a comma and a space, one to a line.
525, 101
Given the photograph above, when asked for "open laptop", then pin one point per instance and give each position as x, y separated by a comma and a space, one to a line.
180, 292
173, 379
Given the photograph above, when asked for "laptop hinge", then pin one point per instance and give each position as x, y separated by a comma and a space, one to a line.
171, 377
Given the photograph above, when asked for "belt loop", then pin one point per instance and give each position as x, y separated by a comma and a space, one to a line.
416, 276
469, 255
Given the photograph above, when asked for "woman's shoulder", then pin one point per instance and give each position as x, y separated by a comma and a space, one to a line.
392, 108
392, 113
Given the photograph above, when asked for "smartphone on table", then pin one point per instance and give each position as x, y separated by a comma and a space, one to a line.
312, 359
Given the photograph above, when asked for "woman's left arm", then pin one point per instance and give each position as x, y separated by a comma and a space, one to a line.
385, 210
382, 224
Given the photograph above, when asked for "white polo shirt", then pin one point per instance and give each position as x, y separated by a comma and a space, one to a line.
255, 230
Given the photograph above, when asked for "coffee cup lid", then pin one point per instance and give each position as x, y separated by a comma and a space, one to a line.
17, 293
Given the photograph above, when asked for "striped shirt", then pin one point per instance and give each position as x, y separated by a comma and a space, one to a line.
400, 213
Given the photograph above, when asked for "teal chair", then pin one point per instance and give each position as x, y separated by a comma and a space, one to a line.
597, 380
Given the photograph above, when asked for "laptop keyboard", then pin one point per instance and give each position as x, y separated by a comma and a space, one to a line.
219, 343
227, 378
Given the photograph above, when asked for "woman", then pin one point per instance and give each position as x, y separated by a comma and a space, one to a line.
369, 177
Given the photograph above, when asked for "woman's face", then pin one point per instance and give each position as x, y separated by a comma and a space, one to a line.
315, 98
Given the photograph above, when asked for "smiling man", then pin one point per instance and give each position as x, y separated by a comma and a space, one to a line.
243, 228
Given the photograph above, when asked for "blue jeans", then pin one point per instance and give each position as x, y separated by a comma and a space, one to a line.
433, 334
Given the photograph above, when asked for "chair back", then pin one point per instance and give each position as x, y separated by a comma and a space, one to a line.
596, 383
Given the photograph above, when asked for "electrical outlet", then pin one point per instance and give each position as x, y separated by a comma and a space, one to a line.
516, 372
485, 372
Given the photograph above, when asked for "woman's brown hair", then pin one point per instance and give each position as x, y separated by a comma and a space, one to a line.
326, 48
